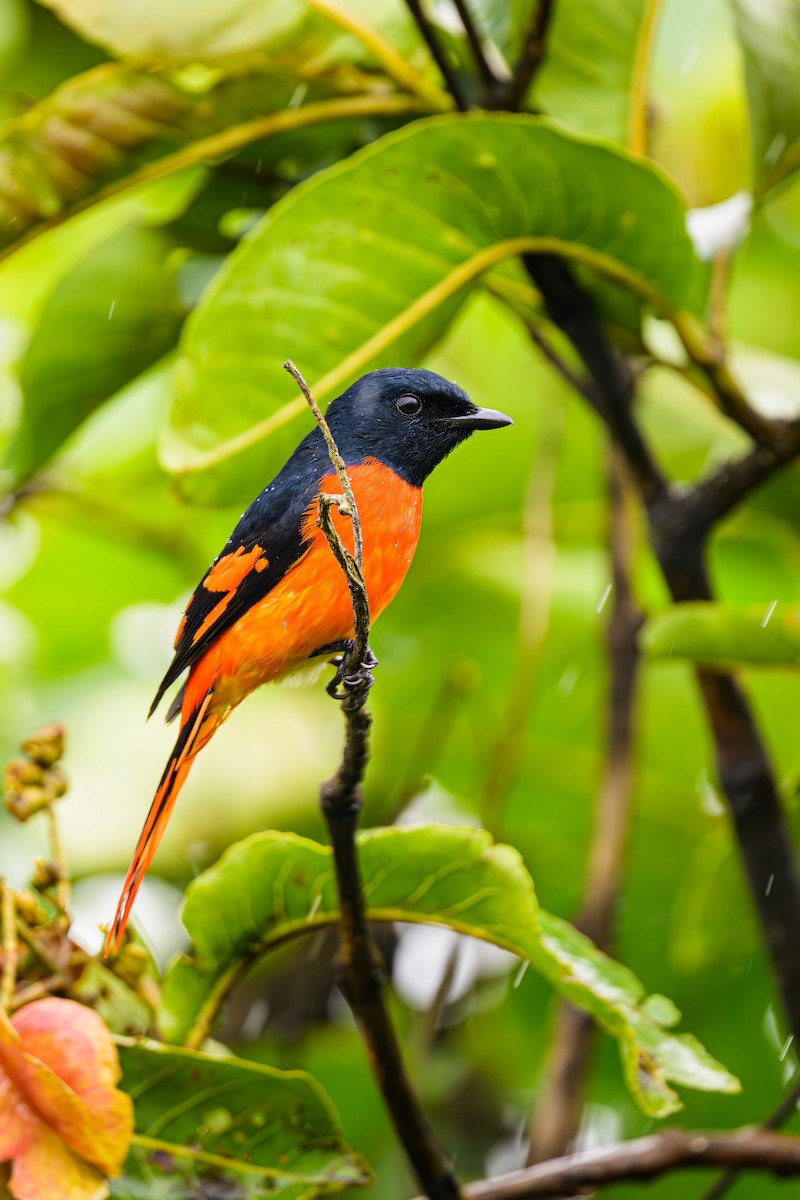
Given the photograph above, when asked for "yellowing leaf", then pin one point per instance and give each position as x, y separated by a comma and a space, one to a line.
61, 1115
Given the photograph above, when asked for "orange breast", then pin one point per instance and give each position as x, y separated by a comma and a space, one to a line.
311, 607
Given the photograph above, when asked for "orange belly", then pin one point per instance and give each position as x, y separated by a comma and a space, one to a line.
310, 607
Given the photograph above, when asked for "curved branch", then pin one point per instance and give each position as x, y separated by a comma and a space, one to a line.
360, 969
644, 1158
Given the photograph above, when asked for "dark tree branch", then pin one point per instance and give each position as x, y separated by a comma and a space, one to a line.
571, 309
439, 54
360, 968
556, 1117
512, 95
679, 526
644, 1158
714, 497
476, 45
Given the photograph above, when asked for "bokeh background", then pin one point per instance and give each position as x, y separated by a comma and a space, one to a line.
95, 571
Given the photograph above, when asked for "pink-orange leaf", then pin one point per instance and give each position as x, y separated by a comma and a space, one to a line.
63, 1123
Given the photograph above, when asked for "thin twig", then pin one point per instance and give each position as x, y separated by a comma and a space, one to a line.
360, 968
556, 1117
476, 44
778, 1117
336, 460
644, 1158
60, 860
531, 56
37, 991
8, 912
439, 54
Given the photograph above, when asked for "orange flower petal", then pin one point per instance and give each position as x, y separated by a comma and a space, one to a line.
48, 1170
62, 1060
17, 1122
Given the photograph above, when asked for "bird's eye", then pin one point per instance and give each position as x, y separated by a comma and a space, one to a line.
408, 405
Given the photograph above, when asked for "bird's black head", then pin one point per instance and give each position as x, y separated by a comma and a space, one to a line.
408, 419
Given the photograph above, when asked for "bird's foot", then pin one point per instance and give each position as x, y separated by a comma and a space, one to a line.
346, 680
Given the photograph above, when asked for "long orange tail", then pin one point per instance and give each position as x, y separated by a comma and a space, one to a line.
178, 767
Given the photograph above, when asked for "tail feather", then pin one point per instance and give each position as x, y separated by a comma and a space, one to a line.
175, 772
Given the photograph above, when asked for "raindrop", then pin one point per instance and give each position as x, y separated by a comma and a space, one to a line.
520, 975
770, 882
786, 1046
111, 310
768, 614
604, 597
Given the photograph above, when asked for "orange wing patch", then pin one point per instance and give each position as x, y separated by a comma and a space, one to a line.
229, 571
214, 615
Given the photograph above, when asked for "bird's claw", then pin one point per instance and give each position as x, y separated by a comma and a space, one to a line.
353, 681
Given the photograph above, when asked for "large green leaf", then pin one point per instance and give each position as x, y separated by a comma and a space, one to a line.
213, 30
366, 263
110, 318
272, 887
594, 73
201, 1116
119, 125
769, 31
718, 635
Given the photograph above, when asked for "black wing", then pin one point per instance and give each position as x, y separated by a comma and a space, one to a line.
265, 544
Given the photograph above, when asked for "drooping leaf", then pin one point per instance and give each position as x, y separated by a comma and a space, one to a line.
365, 264
104, 324
199, 1115
272, 887
118, 125
769, 32
718, 635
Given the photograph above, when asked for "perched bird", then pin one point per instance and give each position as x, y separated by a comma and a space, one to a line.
275, 597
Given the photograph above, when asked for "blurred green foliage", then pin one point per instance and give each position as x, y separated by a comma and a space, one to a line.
126, 495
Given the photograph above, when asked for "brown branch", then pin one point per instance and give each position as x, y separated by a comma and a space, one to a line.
360, 969
778, 1117
556, 1116
512, 94
644, 1158
439, 55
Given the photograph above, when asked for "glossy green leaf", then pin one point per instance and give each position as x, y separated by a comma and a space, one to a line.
214, 30
200, 1115
717, 635
120, 301
366, 264
594, 73
769, 31
272, 887
119, 125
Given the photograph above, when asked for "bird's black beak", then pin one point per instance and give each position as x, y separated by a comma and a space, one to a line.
479, 418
